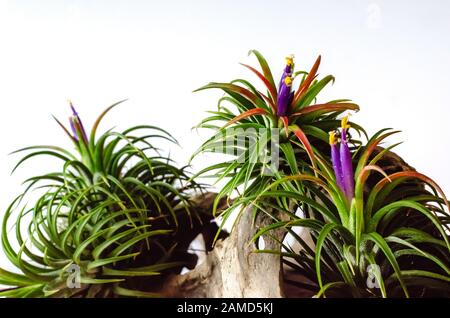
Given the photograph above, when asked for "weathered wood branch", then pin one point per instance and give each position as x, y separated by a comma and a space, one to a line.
232, 269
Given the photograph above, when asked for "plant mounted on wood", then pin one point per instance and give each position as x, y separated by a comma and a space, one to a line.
370, 226
386, 237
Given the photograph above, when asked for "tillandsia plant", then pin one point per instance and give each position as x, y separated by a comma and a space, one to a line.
387, 239
273, 121
105, 224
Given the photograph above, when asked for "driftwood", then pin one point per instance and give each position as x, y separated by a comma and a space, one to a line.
232, 269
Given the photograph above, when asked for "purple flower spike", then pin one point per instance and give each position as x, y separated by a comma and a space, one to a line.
336, 161
346, 162
284, 97
285, 94
74, 111
76, 121
342, 162
74, 130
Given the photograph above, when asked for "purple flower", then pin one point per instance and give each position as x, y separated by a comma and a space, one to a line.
342, 161
284, 97
336, 161
76, 125
74, 130
284, 91
346, 161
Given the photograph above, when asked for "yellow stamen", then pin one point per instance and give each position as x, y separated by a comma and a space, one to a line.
332, 138
70, 102
344, 123
288, 80
290, 60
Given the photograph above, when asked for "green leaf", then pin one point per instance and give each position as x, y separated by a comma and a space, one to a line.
381, 243
264, 66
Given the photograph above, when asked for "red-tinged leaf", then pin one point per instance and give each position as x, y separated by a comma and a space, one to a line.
325, 108
233, 88
264, 66
364, 174
64, 128
370, 148
269, 102
99, 119
412, 174
248, 113
285, 121
307, 82
305, 142
272, 90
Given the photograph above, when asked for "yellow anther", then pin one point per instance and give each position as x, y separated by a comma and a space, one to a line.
344, 123
290, 60
288, 80
70, 102
332, 138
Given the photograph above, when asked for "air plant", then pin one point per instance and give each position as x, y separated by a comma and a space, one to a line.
292, 114
386, 240
104, 224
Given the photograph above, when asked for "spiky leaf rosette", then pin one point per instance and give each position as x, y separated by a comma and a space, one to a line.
385, 239
104, 223
282, 113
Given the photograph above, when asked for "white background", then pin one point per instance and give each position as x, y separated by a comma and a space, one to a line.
390, 57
